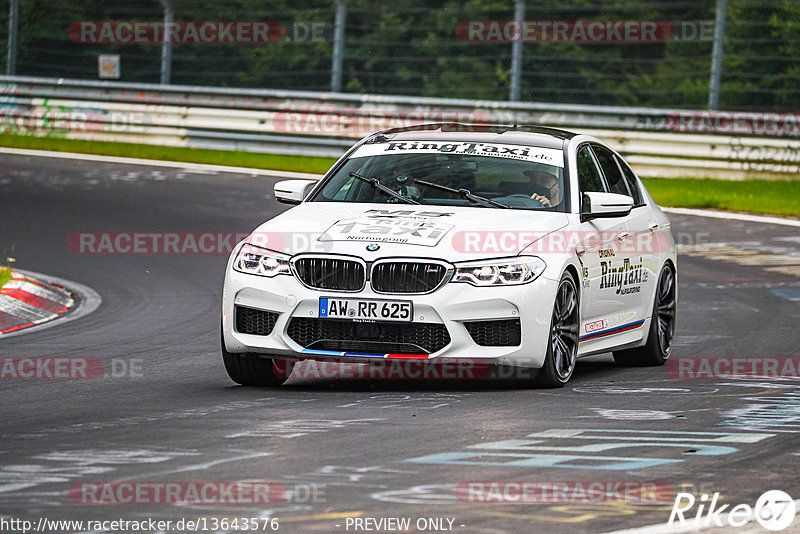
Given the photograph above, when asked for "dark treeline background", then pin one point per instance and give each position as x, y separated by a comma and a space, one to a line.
410, 47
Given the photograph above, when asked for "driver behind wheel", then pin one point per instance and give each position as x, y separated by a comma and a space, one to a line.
545, 187
400, 179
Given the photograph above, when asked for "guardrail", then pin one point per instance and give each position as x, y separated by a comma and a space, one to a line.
658, 142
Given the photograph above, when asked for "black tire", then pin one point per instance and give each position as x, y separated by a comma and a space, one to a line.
662, 326
562, 345
252, 370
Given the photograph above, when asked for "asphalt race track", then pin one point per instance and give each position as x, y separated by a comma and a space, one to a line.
344, 449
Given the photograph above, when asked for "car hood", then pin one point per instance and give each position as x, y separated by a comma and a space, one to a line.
373, 231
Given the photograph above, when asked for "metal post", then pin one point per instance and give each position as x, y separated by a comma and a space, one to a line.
13, 19
166, 46
338, 46
717, 55
516, 53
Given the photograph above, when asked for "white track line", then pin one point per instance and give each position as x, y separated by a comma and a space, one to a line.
157, 163
733, 216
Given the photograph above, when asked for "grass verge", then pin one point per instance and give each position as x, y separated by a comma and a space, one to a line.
5, 276
255, 160
774, 197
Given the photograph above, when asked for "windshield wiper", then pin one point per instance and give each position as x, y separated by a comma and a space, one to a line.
464, 193
382, 188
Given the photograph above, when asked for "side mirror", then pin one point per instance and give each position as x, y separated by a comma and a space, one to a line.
293, 191
605, 205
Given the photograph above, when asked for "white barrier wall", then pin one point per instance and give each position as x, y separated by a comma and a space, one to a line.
657, 142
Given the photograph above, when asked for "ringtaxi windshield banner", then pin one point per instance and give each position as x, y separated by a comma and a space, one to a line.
548, 156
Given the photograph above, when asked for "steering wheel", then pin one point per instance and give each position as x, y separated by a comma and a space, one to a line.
527, 200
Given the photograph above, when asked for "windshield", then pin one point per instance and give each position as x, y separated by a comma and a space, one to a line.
451, 174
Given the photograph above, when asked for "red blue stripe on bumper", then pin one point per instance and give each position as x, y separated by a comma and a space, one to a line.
335, 354
611, 331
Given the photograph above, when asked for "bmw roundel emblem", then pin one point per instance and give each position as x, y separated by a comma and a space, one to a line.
372, 247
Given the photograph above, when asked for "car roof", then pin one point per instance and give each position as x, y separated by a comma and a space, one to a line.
535, 135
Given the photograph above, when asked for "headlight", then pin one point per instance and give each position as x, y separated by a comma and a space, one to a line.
260, 261
500, 272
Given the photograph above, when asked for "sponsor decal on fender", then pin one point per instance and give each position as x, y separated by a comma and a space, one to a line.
626, 278
594, 326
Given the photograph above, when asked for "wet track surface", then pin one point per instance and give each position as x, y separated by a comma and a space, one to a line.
369, 449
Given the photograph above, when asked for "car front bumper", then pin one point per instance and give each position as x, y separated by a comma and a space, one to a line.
451, 305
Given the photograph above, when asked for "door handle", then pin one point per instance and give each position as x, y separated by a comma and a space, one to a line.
654, 226
623, 236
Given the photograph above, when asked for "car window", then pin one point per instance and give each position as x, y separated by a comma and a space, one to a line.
633, 183
438, 173
588, 175
614, 179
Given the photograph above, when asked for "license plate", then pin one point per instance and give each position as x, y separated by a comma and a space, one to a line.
365, 309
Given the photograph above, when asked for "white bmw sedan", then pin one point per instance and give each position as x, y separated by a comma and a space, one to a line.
512, 246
